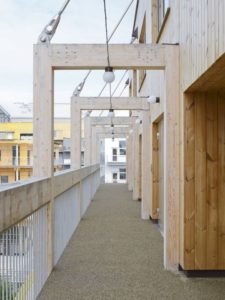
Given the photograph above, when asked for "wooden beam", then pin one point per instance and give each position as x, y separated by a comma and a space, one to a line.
103, 103
108, 121
122, 56
108, 130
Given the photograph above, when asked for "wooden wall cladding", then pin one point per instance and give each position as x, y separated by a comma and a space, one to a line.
203, 225
202, 39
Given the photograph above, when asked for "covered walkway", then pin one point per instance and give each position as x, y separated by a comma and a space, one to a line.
115, 255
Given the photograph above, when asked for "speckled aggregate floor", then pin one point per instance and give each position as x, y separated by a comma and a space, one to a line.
115, 255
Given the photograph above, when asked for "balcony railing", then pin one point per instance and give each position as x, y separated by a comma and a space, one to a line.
116, 159
31, 238
15, 162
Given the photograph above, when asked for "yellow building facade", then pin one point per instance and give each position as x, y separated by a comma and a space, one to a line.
16, 149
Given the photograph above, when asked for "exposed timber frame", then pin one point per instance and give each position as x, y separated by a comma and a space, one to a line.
48, 58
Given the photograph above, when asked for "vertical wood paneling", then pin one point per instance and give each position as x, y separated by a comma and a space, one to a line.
212, 180
189, 189
202, 37
200, 183
204, 189
221, 182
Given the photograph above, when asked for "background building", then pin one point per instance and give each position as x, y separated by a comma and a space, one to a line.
115, 161
16, 147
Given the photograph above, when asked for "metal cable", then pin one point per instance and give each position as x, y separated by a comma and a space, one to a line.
116, 88
111, 36
106, 33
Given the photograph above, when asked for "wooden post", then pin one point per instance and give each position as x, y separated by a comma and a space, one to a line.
130, 161
43, 130
146, 167
172, 159
136, 162
75, 135
87, 136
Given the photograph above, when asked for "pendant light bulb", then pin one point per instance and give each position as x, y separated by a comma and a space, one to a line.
109, 75
111, 113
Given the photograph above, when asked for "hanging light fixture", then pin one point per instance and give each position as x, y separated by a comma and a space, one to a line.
111, 113
109, 75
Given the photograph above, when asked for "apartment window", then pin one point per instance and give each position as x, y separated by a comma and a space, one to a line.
115, 177
15, 155
4, 135
26, 136
4, 179
142, 40
28, 157
122, 146
114, 151
123, 174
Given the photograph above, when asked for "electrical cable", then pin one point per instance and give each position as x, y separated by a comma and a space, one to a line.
106, 33
111, 36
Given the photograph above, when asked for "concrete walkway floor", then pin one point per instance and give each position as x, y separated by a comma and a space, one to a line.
115, 255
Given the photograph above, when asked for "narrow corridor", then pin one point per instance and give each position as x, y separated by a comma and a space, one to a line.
115, 255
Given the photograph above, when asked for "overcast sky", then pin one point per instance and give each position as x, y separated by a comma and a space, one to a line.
21, 22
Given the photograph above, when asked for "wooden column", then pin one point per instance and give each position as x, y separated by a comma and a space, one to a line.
136, 162
130, 157
146, 167
134, 92
75, 135
93, 145
171, 159
87, 136
43, 130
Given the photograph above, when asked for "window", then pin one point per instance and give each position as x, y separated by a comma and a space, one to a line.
114, 158
123, 174
4, 135
122, 145
26, 136
4, 179
16, 155
114, 177
28, 157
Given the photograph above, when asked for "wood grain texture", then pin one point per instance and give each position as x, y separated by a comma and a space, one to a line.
221, 181
189, 190
200, 183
